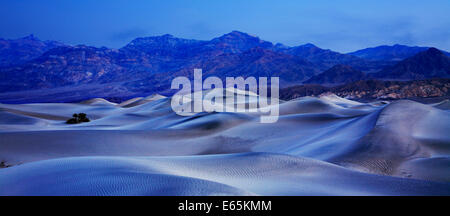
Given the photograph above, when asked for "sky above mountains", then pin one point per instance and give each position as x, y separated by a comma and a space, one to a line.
343, 26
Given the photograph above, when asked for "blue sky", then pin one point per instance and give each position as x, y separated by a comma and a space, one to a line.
344, 25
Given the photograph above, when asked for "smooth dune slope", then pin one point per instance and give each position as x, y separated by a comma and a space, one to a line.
232, 174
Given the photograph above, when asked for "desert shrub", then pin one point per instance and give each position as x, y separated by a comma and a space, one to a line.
78, 118
4, 165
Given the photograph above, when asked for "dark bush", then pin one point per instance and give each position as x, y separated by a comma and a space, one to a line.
4, 165
78, 118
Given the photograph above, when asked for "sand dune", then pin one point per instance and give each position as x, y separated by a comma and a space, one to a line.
140, 100
444, 105
319, 146
98, 101
231, 174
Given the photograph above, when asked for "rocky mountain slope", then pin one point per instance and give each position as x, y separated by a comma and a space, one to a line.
14, 52
375, 89
396, 52
338, 74
42, 70
427, 64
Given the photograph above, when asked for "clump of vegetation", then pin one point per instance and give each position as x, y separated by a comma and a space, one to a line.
78, 118
4, 165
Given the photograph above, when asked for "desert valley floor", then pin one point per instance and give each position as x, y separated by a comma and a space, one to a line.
319, 146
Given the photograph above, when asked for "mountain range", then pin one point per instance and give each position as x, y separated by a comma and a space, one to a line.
396, 52
427, 64
148, 64
19, 51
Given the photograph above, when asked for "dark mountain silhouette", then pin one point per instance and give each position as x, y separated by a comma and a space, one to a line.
338, 74
427, 64
14, 52
323, 57
253, 62
389, 53
237, 42
149, 64
47, 69
169, 46
62, 66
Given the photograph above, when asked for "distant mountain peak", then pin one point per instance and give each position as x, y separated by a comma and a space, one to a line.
400, 46
308, 45
434, 51
281, 46
238, 36
164, 36
396, 52
426, 64
237, 41
324, 58
158, 38
30, 37
158, 44
431, 53
21, 50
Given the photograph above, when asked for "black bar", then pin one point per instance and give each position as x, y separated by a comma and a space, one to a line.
170, 205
